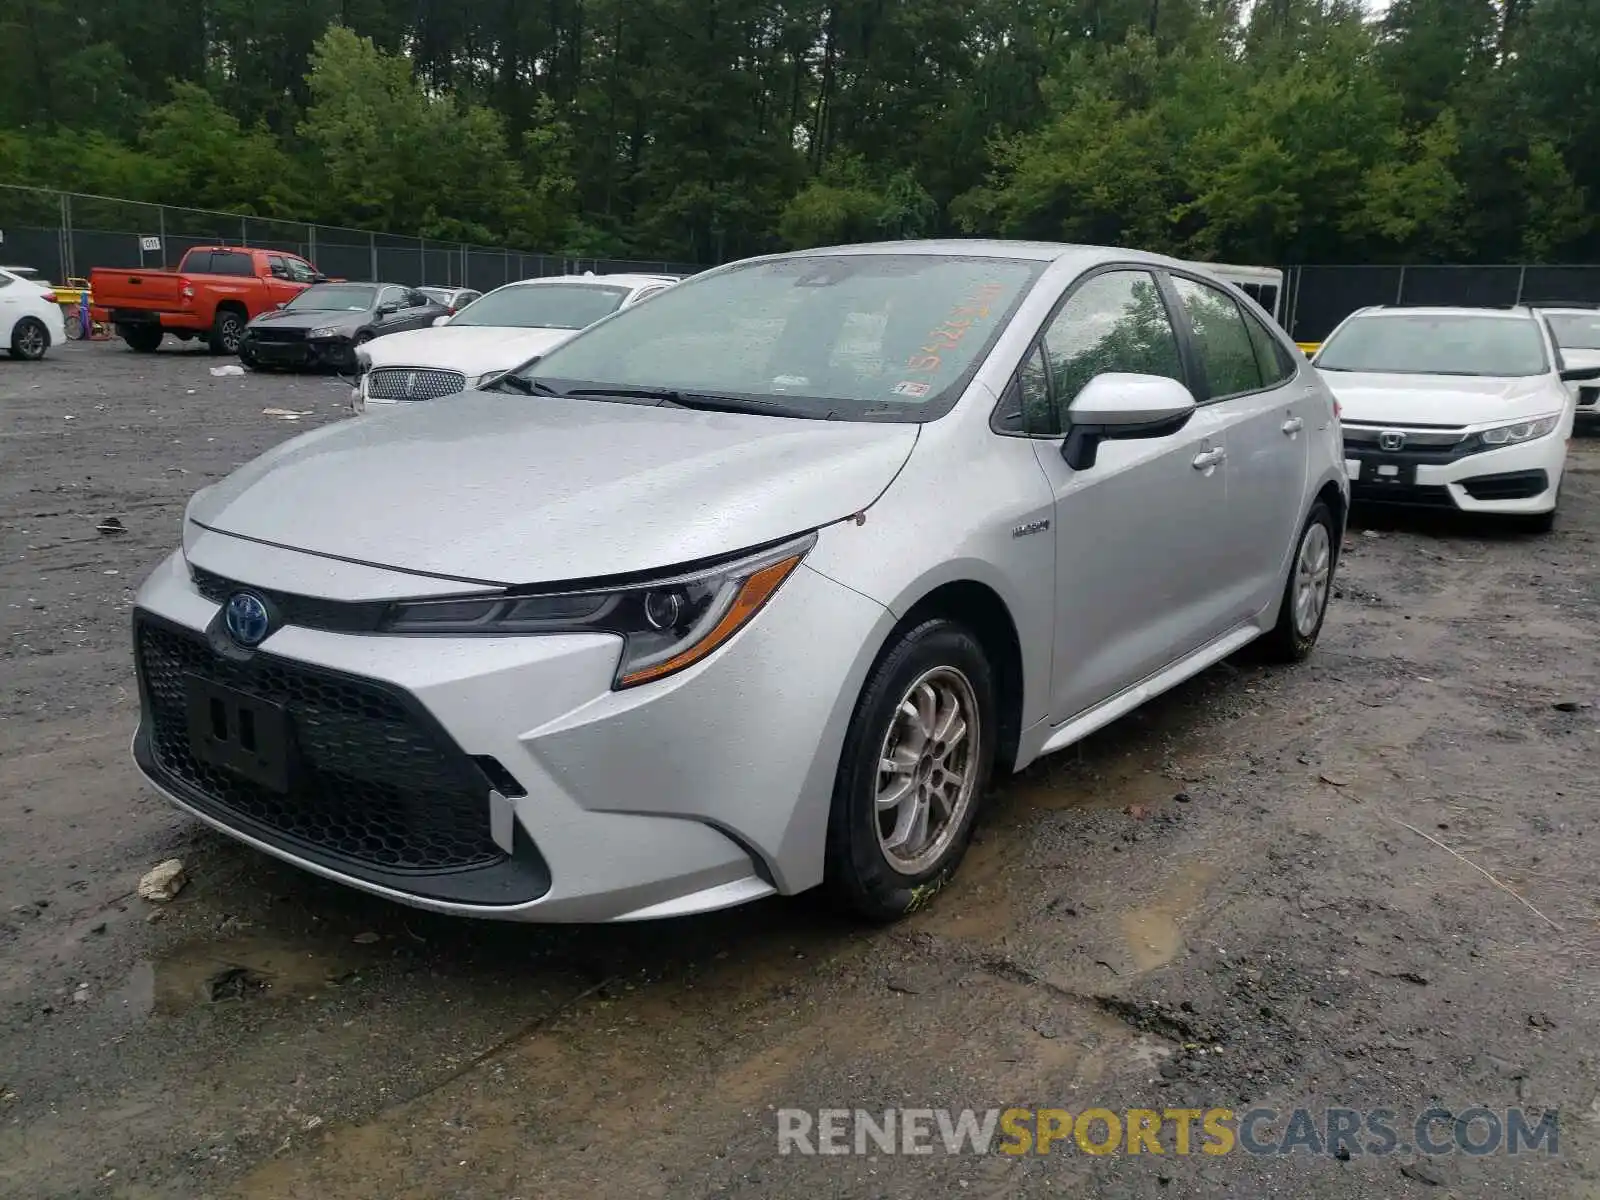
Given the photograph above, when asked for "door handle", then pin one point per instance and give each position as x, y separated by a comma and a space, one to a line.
1207, 459
1293, 426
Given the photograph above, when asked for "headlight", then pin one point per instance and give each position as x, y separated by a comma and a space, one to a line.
324, 331
1521, 431
358, 402
666, 625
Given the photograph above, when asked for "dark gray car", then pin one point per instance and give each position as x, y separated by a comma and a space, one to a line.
323, 325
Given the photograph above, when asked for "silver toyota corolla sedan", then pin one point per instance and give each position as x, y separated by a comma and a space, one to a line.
745, 590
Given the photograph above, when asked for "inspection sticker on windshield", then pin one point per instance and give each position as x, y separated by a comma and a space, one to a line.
910, 387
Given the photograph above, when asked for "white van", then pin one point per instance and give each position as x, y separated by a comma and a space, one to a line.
1264, 285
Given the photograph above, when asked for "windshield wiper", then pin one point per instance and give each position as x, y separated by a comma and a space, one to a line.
516, 383
701, 401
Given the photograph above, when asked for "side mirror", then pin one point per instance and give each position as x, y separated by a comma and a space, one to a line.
1120, 406
388, 310
1580, 374
438, 321
319, 277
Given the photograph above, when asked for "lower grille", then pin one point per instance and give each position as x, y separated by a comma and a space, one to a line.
1588, 397
372, 784
413, 383
1412, 494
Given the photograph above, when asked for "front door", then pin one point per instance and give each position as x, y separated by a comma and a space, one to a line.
1137, 581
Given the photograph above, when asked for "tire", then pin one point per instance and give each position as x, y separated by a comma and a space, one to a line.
142, 339
1539, 522
1292, 639
226, 330
866, 872
29, 339
72, 320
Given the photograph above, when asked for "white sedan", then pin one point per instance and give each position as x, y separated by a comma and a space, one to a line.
1456, 408
1577, 333
501, 330
30, 318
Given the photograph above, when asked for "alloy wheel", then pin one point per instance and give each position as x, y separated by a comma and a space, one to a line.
1313, 568
927, 770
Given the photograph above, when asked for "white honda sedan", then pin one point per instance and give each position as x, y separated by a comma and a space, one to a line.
499, 330
30, 319
1465, 409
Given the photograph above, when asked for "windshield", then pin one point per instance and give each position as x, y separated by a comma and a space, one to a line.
543, 306
850, 336
1436, 344
1575, 331
334, 297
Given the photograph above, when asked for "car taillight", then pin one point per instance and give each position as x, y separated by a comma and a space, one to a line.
51, 297
188, 291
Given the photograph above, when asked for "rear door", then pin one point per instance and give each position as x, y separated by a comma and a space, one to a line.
1250, 382
1136, 573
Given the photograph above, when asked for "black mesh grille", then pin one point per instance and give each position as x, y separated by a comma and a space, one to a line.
413, 383
372, 783
277, 333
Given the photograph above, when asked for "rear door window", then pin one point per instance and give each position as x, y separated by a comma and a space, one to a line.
1276, 363
198, 261
1221, 338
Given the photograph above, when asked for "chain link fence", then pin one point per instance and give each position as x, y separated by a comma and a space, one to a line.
65, 235
1320, 296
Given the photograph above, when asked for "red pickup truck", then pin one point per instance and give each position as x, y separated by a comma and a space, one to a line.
212, 294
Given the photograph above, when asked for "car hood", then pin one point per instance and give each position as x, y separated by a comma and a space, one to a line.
513, 490
309, 319
470, 349
1453, 400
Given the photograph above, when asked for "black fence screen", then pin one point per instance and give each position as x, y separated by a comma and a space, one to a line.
65, 235
1321, 296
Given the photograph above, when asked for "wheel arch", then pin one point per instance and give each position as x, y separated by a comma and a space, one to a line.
980, 609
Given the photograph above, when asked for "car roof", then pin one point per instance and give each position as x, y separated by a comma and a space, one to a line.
626, 281
998, 248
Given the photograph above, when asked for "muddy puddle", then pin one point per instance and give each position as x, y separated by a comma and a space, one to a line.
238, 969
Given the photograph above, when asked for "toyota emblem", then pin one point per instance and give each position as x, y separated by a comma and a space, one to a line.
1391, 439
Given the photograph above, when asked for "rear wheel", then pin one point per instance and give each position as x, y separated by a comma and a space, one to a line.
915, 764
226, 331
1306, 592
144, 339
29, 339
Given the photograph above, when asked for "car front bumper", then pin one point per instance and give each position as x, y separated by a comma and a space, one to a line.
337, 353
1521, 479
699, 791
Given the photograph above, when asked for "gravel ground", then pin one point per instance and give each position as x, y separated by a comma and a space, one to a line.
1367, 882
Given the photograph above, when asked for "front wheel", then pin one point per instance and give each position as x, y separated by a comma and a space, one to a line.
916, 761
1306, 592
1544, 522
226, 331
29, 339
